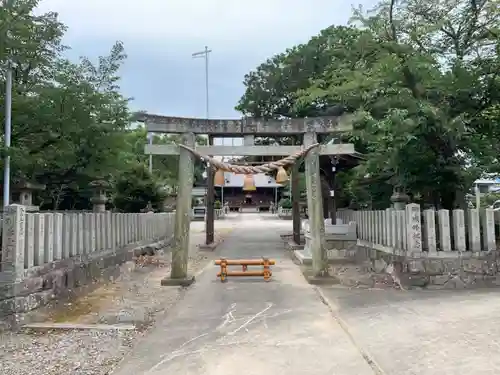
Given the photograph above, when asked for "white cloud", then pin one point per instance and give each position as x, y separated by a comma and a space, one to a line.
160, 35
210, 20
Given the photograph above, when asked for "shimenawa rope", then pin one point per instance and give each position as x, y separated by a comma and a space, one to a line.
252, 169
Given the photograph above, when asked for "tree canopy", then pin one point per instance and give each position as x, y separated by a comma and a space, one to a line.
421, 78
71, 123
423, 81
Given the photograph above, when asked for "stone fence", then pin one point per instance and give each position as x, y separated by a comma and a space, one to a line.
451, 248
345, 215
414, 231
35, 245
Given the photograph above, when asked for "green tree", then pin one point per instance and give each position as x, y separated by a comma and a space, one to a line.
135, 189
32, 43
68, 118
274, 87
70, 130
165, 167
292, 84
423, 83
433, 63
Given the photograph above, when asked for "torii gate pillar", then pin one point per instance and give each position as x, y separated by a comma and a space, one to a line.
315, 208
180, 250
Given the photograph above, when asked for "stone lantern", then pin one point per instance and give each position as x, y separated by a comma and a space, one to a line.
399, 198
99, 198
26, 190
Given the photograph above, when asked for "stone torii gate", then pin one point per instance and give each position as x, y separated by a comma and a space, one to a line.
248, 128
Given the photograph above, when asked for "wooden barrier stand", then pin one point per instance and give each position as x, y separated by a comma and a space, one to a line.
244, 263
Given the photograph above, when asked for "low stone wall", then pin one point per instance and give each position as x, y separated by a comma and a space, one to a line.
68, 277
47, 255
450, 270
199, 213
335, 256
338, 239
429, 248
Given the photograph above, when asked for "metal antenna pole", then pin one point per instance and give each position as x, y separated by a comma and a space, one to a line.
210, 192
8, 128
206, 82
205, 54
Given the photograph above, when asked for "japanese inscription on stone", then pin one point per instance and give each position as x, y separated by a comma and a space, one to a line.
414, 228
13, 241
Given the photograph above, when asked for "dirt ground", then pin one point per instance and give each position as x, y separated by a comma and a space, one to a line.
131, 303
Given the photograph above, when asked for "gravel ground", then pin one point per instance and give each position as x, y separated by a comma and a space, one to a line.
68, 352
137, 298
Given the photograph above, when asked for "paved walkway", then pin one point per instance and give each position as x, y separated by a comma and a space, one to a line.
248, 326
423, 332
251, 327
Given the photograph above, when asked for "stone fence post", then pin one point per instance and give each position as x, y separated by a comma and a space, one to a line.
413, 228
13, 242
442, 231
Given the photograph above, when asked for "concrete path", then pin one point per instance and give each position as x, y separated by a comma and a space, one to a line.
248, 326
423, 332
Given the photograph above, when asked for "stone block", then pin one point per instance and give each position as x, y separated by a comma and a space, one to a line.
379, 265
20, 287
416, 266
182, 282
59, 282
322, 280
455, 282
451, 266
439, 279
434, 267
420, 281
475, 266
473, 280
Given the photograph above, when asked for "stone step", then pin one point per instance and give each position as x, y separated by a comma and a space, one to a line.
76, 326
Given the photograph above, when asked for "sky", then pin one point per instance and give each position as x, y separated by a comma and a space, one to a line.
160, 36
